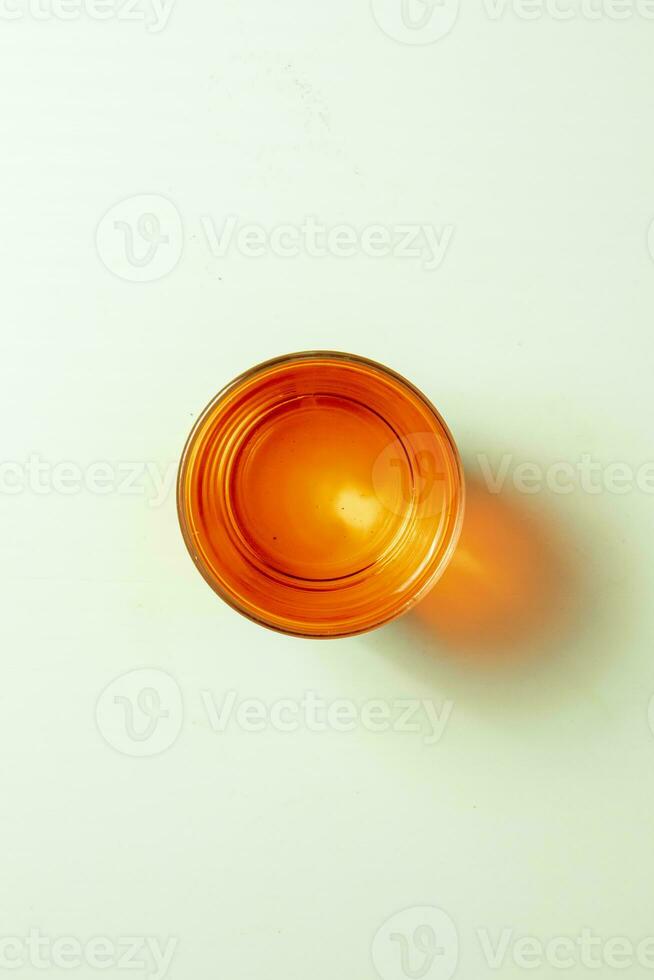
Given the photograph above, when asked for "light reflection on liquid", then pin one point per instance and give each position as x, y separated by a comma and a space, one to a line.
358, 510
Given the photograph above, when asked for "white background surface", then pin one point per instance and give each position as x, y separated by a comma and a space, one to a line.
282, 854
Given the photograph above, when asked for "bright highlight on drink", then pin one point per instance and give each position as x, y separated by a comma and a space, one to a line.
320, 494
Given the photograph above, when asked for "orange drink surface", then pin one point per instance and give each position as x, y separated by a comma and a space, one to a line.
320, 494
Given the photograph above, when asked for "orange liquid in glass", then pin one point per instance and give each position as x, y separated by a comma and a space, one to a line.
320, 494
304, 491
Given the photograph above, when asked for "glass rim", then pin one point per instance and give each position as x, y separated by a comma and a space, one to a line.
291, 358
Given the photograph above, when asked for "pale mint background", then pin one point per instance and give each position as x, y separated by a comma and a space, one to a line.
273, 854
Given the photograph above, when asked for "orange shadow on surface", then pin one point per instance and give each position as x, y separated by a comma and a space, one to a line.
507, 585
